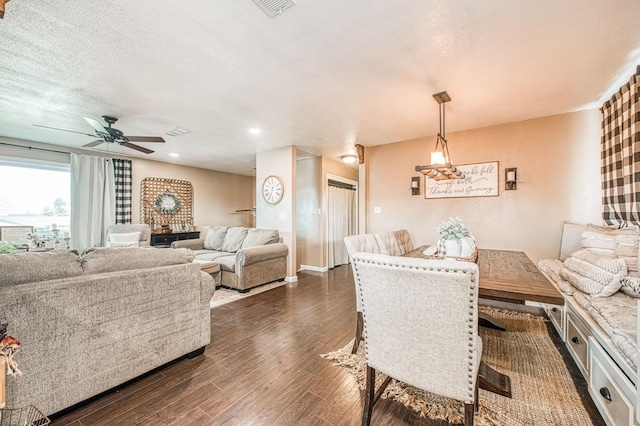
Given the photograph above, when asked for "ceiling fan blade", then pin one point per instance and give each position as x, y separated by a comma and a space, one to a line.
64, 130
137, 147
94, 143
96, 125
145, 138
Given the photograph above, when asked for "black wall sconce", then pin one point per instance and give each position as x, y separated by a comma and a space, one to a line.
511, 179
415, 185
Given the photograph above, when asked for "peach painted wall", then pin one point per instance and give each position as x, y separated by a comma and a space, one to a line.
311, 208
216, 195
308, 220
558, 161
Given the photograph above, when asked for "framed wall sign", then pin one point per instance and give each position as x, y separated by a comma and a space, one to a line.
480, 180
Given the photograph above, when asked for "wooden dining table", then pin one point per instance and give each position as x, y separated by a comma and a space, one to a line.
508, 276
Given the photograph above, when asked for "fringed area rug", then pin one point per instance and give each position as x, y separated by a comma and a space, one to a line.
225, 295
543, 392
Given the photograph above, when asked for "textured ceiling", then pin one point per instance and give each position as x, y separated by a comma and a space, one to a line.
324, 75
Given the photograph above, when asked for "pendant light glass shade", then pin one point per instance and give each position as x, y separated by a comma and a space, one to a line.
441, 167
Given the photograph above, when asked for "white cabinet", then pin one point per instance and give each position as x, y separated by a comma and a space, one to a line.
557, 315
577, 342
611, 390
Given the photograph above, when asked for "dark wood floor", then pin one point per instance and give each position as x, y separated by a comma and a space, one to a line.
261, 368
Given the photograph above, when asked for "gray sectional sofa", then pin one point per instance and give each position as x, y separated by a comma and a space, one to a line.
87, 324
248, 257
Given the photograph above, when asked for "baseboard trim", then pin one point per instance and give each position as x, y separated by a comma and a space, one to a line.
313, 268
292, 279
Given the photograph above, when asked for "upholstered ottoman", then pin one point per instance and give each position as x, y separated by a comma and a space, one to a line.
211, 268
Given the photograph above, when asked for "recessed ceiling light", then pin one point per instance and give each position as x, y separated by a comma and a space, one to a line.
177, 131
173, 154
255, 131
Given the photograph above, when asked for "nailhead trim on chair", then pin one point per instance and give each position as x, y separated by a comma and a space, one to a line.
472, 391
471, 394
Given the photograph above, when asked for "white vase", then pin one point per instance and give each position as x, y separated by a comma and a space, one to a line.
452, 248
467, 246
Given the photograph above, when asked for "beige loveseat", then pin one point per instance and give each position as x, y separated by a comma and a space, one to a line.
248, 257
90, 323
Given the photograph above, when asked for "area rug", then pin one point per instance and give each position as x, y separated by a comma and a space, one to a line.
543, 392
225, 295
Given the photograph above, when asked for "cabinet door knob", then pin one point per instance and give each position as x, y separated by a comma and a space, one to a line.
605, 393
575, 340
554, 309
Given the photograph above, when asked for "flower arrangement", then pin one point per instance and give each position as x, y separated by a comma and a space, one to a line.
38, 240
453, 229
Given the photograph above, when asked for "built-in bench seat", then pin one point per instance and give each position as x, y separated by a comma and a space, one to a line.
598, 322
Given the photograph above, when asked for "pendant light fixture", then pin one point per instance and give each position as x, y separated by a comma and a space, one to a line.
441, 167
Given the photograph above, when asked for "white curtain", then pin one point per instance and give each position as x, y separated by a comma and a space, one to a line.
342, 223
92, 200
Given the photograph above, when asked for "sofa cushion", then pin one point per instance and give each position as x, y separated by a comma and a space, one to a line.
209, 255
617, 317
551, 267
234, 239
260, 237
107, 259
128, 239
595, 275
20, 268
215, 237
227, 263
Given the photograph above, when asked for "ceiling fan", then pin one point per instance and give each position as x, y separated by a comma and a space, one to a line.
110, 135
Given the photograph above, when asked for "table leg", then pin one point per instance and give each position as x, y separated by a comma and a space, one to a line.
486, 320
493, 381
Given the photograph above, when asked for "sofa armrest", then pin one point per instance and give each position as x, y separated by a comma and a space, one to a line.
197, 244
251, 255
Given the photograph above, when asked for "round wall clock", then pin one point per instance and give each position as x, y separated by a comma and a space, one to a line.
272, 189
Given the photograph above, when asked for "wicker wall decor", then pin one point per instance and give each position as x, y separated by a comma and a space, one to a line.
166, 202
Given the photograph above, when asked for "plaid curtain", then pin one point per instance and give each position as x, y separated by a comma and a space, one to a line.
621, 155
122, 172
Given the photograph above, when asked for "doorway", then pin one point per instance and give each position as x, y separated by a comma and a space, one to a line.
342, 217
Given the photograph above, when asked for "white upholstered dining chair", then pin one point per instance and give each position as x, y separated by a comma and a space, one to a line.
359, 243
420, 326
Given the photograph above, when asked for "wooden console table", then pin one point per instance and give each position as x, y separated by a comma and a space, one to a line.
165, 240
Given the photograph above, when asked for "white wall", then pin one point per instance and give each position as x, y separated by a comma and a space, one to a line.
281, 163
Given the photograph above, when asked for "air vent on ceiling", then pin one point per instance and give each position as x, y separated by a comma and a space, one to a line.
274, 8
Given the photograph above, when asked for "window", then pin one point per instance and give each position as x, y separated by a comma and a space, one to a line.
36, 194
